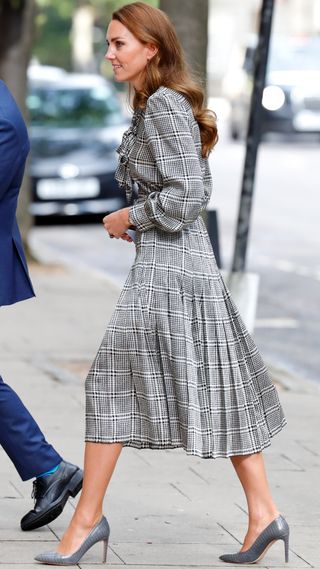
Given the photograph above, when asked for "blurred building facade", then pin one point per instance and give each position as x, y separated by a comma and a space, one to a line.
233, 23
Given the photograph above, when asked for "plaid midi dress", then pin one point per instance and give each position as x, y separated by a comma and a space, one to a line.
176, 367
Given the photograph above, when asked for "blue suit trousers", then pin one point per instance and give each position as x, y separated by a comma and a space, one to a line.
21, 437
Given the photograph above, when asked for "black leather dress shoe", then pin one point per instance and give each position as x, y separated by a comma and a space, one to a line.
51, 494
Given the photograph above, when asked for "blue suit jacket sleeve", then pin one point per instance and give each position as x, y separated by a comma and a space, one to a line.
9, 157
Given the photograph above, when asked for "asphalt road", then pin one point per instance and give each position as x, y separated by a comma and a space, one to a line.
283, 249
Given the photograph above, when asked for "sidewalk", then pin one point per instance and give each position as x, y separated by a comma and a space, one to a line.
164, 508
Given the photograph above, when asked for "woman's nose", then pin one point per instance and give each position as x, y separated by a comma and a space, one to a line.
109, 53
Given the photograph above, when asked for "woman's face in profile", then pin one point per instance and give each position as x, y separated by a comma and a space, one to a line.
127, 54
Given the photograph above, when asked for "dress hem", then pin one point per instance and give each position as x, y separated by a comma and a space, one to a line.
156, 446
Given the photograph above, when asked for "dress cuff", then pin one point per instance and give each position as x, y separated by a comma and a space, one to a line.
139, 218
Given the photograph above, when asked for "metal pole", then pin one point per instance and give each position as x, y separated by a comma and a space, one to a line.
253, 137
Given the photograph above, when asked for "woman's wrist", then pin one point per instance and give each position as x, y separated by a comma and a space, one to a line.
125, 216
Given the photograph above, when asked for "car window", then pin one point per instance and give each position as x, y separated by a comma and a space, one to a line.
73, 107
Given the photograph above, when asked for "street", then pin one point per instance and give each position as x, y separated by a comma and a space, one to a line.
283, 245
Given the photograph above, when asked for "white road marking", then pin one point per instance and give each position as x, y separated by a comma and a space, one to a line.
289, 267
276, 323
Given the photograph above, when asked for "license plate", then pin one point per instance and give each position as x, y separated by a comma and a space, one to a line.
57, 188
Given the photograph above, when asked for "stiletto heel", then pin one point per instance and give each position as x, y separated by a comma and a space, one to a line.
286, 547
100, 532
105, 550
278, 529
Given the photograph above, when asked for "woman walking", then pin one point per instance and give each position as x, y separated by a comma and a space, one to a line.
176, 368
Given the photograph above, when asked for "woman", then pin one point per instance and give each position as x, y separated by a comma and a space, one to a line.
176, 367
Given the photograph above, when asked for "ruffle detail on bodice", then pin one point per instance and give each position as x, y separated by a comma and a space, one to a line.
122, 174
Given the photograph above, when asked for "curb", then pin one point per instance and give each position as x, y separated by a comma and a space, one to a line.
291, 382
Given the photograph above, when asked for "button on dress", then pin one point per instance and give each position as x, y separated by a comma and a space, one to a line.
176, 367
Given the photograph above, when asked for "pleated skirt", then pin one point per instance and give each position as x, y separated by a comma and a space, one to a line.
177, 367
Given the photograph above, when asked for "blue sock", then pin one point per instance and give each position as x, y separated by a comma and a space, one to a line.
49, 471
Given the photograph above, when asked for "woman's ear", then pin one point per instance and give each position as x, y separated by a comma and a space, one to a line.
151, 51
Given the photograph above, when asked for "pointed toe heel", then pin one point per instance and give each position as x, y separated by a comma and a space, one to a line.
100, 532
278, 529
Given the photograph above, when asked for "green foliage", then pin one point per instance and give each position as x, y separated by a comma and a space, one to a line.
53, 25
52, 44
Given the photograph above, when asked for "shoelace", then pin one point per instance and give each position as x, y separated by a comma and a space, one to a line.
36, 490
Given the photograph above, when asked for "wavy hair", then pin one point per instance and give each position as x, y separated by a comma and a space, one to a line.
168, 67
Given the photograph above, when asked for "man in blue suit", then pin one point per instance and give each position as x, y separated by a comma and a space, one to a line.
20, 436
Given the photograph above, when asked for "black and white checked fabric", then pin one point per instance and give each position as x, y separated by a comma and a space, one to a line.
177, 367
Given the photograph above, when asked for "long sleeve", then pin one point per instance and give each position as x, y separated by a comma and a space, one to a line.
170, 140
9, 154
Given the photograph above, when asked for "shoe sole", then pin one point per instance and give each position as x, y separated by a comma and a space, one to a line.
74, 487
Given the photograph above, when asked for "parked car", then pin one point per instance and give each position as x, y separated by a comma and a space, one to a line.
76, 125
291, 98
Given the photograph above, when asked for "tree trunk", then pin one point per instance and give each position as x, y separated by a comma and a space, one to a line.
191, 23
16, 32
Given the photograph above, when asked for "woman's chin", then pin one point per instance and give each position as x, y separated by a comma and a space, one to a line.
118, 79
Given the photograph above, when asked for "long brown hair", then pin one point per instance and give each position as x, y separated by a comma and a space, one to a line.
168, 67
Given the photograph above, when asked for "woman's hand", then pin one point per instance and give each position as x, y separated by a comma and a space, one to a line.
117, 223
126, 237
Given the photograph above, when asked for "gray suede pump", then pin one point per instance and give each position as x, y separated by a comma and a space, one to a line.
278, 529
100, 532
